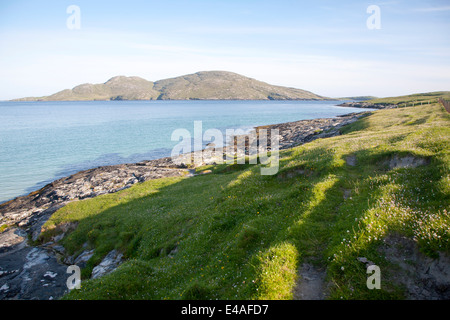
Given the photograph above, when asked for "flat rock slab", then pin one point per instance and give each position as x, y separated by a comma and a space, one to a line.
12, 239
31, 273
26, 210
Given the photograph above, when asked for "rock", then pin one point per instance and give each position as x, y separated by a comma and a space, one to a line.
173, 252
408, 161
112, 260
351, 160
50, 275
4, 288
58, 237
31, 273
367, 105
11, 239
347, 195
83, 258
59, 249
35, 257
296, 133
35, 208
367, 262
362, 259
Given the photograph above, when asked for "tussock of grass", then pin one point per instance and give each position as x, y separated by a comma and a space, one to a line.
234, 234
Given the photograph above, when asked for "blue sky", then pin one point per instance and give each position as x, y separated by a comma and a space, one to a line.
321, 46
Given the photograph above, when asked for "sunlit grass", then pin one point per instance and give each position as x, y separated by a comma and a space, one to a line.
234, 234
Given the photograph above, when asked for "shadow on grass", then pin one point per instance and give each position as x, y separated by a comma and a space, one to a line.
221, 235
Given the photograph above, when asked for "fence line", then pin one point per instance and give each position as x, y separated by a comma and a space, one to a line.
445, 103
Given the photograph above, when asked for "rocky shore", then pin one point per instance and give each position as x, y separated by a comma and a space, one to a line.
367, 105
24, 211
38, 272
292, 134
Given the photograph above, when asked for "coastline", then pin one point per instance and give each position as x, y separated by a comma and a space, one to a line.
25, 215
23, 210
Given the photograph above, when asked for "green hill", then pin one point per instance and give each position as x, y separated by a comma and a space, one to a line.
377, 194
208, 85
226, 85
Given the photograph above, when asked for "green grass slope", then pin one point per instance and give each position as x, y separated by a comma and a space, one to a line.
234, 234
413, 99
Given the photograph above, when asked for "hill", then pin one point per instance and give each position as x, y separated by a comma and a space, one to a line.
206, 85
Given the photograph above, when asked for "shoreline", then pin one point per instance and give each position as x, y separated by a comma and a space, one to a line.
89, 183
25, 215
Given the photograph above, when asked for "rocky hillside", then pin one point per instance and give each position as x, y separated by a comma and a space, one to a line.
206, 85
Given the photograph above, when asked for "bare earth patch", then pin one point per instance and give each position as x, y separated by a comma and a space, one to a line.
311, 283
422, 277
407, 162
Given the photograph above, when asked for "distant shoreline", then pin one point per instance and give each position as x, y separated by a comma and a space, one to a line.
160, 100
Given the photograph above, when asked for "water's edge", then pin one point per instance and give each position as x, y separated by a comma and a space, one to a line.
26, 215
43, 142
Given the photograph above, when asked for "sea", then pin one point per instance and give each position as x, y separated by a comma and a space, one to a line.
43, 141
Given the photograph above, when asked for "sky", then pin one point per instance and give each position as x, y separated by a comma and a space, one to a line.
332, 48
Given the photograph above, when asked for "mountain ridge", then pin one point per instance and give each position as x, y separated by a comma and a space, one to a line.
203, 85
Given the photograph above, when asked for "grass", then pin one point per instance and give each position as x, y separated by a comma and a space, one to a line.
234, 234
413, 99
3, 227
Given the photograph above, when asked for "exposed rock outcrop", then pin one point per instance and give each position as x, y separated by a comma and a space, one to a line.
108, 264
367, 105
28, 272
299, 132
27, 210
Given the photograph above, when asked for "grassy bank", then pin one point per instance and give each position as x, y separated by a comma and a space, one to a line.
234, 234
413, 99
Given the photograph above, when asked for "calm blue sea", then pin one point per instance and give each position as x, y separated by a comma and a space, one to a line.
43, 141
